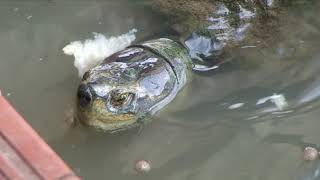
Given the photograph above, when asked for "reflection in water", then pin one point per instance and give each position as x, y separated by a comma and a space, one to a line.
311, 93
309, 171
198, 136
278, 99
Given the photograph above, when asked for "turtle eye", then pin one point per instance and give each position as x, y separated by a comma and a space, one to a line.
120, 100
85, 75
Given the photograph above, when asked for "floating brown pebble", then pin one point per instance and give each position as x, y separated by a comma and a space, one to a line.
310, 154
143, 166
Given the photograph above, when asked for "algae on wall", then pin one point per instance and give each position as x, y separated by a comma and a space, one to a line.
191, 15
267, 19
187, 16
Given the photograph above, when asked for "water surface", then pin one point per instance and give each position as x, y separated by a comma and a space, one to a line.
213, 130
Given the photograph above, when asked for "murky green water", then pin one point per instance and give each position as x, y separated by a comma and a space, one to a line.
199, 135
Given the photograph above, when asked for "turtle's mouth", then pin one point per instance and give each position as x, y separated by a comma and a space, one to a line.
100, 117
109, 124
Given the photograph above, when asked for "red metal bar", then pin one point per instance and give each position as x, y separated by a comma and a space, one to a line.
23, 154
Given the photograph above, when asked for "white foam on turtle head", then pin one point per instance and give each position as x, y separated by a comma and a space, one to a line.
91, 52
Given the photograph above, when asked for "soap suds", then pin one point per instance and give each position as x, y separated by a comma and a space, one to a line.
91, 52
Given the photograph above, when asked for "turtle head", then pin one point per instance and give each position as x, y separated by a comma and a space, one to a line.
124, 89
111, 111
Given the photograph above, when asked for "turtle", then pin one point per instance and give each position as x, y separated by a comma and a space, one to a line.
133, 84
130, 86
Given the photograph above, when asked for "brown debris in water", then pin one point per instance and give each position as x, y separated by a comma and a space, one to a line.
143, 166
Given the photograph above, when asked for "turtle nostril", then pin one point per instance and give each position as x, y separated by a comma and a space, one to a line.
84, 95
